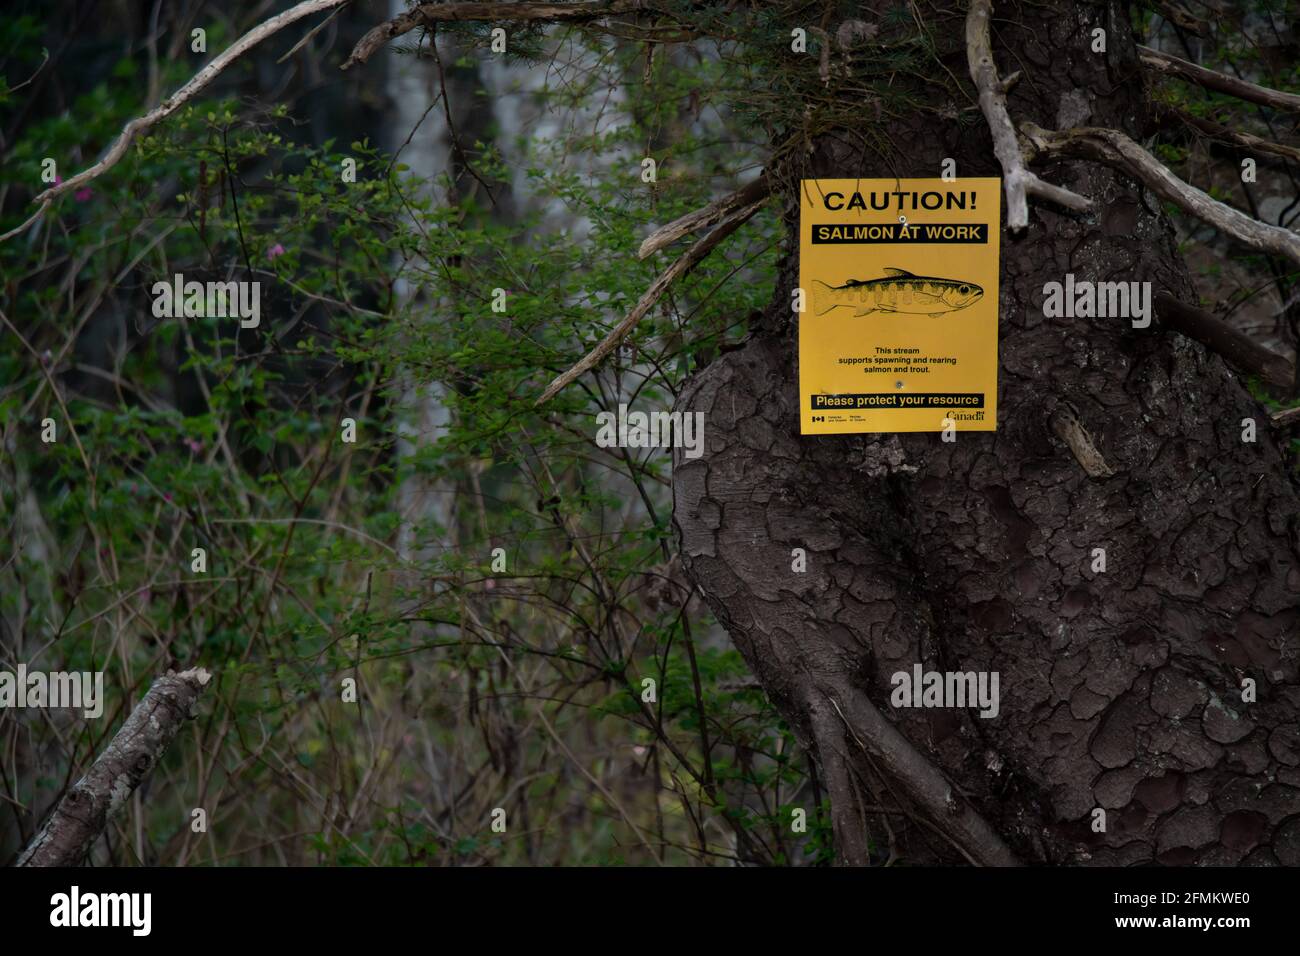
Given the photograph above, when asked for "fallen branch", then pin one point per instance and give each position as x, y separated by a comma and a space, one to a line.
1287, 416
1167, 64
1118, 151
1018, 182
1225, 134
80, 817
688, 261
182, 96
694, 221
429, 13
1237, 348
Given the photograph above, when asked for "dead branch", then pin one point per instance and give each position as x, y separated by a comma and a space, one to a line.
691, 222
178, 99
430, 13
1224, 134
1169, 65
1236, 348
688, 261
1065, 424
1287, 416
1182, 18
920, 779
1118, 151
1018, 182
80, 817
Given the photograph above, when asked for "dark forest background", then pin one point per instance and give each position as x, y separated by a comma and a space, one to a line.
505, 596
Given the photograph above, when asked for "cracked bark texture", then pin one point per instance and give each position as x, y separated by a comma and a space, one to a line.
1120, 690
80, 817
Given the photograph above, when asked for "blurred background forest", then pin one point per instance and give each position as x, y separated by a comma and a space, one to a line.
517, 682
519, 689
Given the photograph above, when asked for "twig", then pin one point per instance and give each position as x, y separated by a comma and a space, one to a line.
1018, 181
683, 265
1220, 132
80, 817
40, 211
1210, 79
694, 221
1115, 149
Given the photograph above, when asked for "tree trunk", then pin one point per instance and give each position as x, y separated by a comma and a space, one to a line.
1121, 690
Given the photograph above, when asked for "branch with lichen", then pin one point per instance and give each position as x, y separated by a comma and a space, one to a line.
80, 817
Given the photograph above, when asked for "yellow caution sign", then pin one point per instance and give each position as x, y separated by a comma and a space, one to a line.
898, 330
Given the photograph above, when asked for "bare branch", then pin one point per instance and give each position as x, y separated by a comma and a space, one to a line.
688, 261
1287, 416
40, 211
79, 818
1225, 134
1182, 18
182, 96
1018, 181
1064, 422
1237, 348
919, 778
694, 221
1173, 66
1115, 149
429, 13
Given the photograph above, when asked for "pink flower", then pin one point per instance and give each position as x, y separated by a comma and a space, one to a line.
83, 194
167, 497
194, 445
275, 252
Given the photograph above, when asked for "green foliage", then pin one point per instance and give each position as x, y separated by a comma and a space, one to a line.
475, 689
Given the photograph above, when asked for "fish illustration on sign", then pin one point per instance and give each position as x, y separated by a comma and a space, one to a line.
898, 291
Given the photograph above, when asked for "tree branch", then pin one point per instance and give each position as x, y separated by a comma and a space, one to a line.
1287, 416
1238, 349
691, 222
1182, 18
79, 818
920, 779
182, 96
1225, 134
688, 261
1116, 150
1018, 182
429, 13
1169, 65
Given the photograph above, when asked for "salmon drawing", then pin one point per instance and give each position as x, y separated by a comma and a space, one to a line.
898, 291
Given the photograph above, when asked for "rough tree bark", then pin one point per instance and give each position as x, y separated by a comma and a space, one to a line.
1120, 690
80, 817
